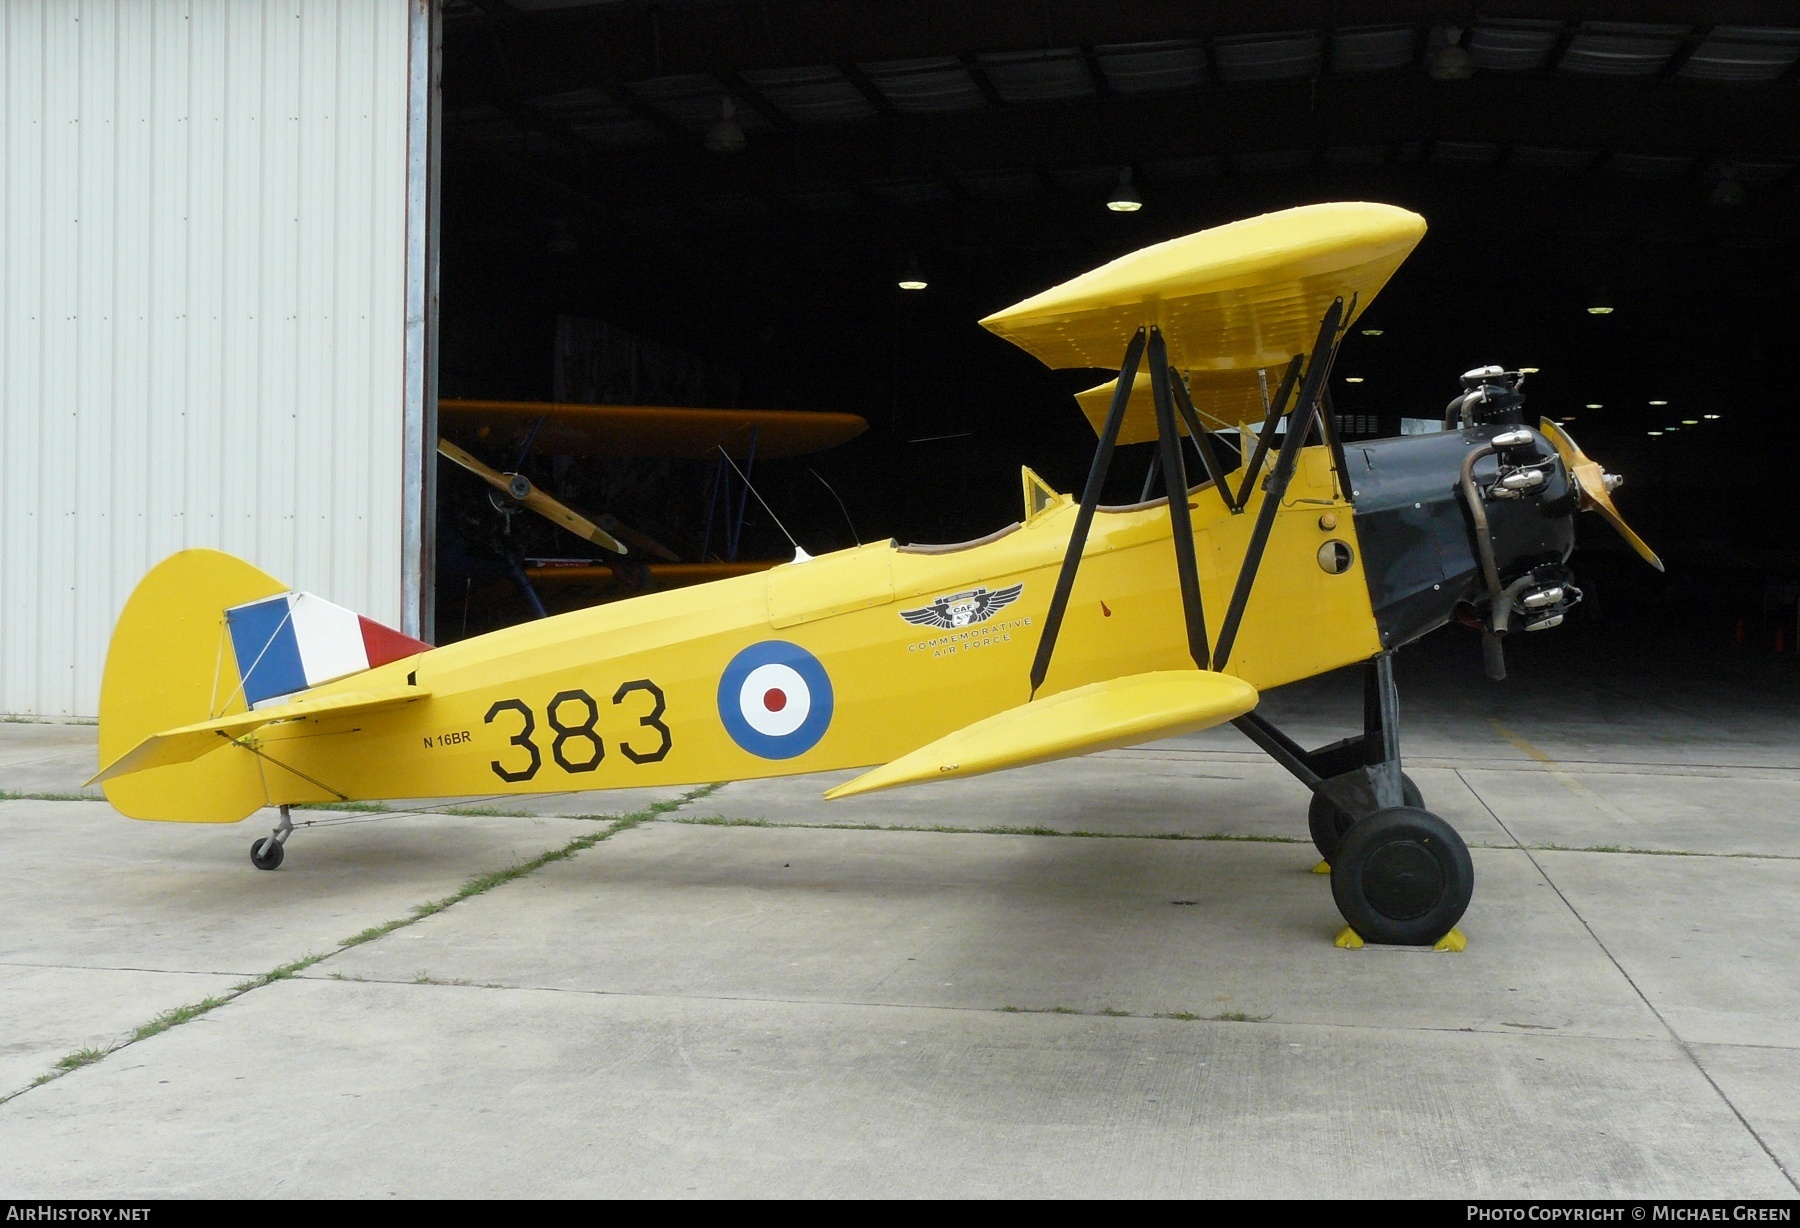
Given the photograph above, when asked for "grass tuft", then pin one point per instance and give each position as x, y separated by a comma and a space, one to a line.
493, 812
80, 1058
174, 1018
6, 796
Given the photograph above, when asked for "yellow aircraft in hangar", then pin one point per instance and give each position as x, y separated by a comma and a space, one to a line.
1077, 629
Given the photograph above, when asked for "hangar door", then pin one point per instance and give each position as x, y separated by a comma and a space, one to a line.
218, 272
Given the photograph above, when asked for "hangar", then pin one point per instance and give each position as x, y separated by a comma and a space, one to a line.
247, 248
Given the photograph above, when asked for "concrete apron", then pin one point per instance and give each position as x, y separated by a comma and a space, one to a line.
690, 1007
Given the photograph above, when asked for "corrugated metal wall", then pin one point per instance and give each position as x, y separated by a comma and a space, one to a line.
203, 231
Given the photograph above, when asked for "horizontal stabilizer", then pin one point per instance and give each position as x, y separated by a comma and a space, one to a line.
1101, 716
189, 742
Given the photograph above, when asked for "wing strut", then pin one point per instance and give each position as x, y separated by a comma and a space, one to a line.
1181, 525
1084, 516
1299, 419
1202, 442
1328, 424
1277, 407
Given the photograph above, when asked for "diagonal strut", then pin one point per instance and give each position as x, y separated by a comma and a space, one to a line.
1084, 516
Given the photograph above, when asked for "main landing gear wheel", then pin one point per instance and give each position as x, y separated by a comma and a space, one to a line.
1402, 877
265, 854
1329, 823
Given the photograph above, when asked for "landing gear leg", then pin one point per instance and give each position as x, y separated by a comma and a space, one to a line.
266, 853
1353, 791
1400, 874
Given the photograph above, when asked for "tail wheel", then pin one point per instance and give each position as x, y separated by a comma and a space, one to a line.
1329, 823
265, 854
1402, 877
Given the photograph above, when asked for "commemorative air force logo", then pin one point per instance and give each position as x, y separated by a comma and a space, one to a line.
962, 609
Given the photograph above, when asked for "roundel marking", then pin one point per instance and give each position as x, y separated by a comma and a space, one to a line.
775, 700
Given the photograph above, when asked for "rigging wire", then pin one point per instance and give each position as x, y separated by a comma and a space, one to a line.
799, 551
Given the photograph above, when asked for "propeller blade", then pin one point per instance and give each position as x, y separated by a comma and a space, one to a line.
536, 500
643, 541
1595, 497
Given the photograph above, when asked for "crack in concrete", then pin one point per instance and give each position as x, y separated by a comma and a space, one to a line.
1536, 1032
1211, 838
479, 885
1675, 1036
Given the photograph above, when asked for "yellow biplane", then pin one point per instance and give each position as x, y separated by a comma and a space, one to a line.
1077, 629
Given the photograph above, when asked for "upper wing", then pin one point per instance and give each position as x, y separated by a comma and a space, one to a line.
1100, 716
1222, 399
612, 431
1240, 297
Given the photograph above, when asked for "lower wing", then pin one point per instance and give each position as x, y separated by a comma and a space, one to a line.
1101, 716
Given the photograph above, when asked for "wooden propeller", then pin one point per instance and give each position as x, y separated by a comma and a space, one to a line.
1596, 488
518, 487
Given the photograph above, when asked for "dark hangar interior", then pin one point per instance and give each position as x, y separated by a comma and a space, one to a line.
736, 187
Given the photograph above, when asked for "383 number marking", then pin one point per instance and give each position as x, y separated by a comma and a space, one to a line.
574, 717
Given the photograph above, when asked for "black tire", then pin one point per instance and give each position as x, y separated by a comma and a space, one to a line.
1402, 877
1328, 822
265, 854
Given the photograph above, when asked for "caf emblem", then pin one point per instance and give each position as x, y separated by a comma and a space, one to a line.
977, 605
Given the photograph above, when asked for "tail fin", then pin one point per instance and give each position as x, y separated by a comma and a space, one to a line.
171, 665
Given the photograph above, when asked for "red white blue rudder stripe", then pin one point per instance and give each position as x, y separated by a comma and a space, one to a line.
289, 643
775, 700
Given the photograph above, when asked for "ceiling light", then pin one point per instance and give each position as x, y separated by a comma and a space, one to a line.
1124, 198
1600, 305
1528, 370
1371, 332
913, 278
1690, 422
725, 136
1659, 402
1452, 63
1652, 432
1353, 379
1595, 405
1710, 417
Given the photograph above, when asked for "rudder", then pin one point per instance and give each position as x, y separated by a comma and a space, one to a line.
169, 665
